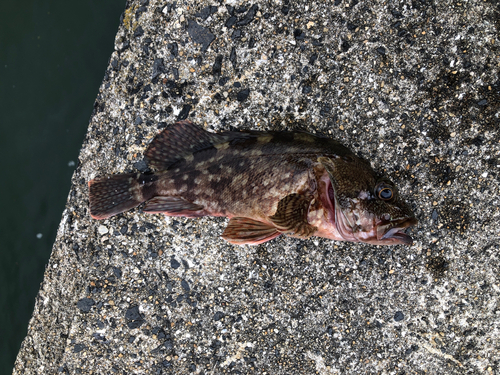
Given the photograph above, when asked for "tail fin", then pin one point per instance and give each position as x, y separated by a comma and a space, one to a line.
112, 195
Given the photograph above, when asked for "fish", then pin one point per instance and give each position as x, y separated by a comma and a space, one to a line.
268, 183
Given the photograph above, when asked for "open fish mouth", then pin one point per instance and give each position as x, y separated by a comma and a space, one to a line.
394, 232
377, 233
365, 227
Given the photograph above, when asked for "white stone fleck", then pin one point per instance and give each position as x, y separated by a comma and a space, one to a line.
102, 230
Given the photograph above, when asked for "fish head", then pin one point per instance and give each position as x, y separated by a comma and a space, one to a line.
364, 206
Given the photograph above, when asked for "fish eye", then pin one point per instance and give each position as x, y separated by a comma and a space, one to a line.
385, 192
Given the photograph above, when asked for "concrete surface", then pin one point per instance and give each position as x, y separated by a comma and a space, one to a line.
413, 86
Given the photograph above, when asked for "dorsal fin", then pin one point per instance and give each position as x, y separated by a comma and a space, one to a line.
178, 141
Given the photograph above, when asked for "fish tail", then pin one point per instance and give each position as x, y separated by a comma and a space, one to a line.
115, 194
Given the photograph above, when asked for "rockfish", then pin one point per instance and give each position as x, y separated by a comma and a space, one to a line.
266, 183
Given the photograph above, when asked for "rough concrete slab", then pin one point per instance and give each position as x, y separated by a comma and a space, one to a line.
411, 85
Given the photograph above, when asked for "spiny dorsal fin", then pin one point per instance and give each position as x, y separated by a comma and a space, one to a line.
291, 216
178, 141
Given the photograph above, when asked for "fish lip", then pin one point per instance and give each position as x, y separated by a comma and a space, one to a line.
395, 231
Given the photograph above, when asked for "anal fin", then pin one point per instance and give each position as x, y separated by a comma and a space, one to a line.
291, 216
173, 206
245, 231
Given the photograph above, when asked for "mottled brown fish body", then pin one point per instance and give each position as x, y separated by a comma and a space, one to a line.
267, 183
241, 181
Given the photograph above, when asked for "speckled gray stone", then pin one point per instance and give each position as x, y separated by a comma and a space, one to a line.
413, 86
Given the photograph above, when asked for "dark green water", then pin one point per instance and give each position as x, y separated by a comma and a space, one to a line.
53, 55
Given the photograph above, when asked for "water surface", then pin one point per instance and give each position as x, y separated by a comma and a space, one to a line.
53, 55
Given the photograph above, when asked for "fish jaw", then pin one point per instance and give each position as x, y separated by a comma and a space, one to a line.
344, 225
365, 227
387, 233
394, 232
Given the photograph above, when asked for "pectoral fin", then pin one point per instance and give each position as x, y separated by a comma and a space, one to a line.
291, 216
173, 206
245, 231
